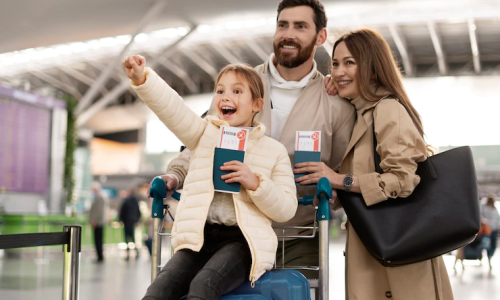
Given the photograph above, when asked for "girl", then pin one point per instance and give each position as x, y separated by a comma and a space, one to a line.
220, 239
365, 72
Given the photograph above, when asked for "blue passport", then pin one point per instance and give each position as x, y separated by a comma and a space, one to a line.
222, 156
305, 156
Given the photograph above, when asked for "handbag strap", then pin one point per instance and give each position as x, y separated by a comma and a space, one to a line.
376, 156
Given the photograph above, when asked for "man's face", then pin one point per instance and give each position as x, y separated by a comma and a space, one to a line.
295, 36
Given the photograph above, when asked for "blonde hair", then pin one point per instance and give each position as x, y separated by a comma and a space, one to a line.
248, 73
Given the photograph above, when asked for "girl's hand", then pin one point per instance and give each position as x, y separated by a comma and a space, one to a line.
241, 173
134, 66
316, 170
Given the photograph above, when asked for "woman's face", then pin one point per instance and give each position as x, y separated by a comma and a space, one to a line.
344, 68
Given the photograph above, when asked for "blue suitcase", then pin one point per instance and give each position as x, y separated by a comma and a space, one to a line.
275, 285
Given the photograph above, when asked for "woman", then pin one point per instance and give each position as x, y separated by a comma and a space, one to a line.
490, 213
365, 72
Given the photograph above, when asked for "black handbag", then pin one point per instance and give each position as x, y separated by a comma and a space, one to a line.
441, 215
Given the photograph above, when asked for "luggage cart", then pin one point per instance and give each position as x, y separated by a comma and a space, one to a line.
274, 283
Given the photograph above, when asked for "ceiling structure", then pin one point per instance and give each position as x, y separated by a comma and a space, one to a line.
76, 47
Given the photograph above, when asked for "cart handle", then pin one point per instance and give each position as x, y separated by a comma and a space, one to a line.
324, 193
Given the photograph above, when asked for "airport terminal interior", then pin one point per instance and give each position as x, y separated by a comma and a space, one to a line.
71, 124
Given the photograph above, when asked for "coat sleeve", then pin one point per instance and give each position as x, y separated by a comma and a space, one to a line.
276, 197
171, 109
400, 147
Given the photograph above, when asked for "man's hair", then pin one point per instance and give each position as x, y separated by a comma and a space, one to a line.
320, 18
248, 73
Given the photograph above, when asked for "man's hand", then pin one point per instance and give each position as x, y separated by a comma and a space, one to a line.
93, 224
241, 173
331, 201
134, 66
316, 170
329, 86
171, 183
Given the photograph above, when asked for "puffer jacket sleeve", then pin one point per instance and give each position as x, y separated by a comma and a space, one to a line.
276, 197
400, 147
171, 109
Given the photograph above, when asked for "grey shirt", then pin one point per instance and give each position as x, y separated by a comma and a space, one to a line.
99, 210
222, 210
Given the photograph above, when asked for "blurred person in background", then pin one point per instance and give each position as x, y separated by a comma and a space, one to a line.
129, 215
98, 218
492, 218
365, 72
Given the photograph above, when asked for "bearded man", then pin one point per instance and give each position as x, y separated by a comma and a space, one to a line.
295, 99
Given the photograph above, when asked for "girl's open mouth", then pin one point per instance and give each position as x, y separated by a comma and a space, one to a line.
228, 111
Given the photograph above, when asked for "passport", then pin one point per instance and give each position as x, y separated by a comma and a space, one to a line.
306, 156
222, 156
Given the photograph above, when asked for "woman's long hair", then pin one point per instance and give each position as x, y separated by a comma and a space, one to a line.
376, 64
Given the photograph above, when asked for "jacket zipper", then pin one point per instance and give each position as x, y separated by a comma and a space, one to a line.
250, 246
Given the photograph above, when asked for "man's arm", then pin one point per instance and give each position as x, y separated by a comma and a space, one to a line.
179, 167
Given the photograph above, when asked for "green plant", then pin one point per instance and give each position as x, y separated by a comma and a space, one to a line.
71, 145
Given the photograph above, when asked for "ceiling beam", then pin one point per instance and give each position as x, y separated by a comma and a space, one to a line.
222, 50
81, 77
436, 42
202, 63
400, 42
257, 49
183, 75
497, 68
124, 85
57, 83
475, 48
150, 16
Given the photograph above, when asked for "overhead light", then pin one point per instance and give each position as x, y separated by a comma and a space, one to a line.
141, 37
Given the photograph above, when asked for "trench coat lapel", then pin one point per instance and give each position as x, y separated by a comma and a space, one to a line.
359, 130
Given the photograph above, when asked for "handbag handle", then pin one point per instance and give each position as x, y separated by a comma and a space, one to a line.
429, 167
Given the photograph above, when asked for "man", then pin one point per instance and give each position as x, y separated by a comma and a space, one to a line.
129, 215
98, 218
295, 100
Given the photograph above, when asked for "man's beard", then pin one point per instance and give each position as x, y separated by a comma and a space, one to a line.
287, 60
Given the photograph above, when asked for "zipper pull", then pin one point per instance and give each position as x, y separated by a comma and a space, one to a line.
252, 284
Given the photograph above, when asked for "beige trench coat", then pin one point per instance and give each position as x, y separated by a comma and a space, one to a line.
400, 147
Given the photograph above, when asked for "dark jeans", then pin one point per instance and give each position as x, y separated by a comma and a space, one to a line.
222, 264
130, 237
493, 243
98, 230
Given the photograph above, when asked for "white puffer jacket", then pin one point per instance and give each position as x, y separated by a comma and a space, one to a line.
275, 199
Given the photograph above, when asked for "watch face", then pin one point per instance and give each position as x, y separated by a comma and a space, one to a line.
348, 181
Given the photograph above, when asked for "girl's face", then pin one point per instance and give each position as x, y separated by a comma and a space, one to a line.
234, 102
344, 70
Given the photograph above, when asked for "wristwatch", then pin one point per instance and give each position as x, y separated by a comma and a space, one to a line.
348, 181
